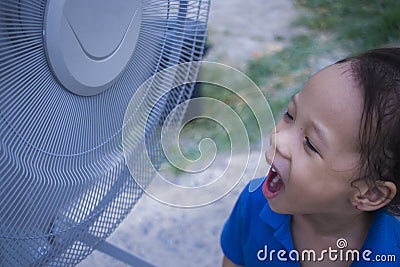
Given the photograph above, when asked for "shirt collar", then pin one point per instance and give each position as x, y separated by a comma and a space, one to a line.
270, 217
383, 233
281, 224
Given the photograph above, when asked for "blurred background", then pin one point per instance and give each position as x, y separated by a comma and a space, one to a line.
279, 45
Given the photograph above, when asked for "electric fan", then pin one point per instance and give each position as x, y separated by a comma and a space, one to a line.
68, 69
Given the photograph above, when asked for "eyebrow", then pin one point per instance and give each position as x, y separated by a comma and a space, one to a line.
318, 130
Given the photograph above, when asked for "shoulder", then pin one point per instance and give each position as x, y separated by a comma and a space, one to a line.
251, 227
382, 242
388, 225
251, 202
238, 230
246, 211
384, 233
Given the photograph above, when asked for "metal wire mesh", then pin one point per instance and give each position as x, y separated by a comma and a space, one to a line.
64, 184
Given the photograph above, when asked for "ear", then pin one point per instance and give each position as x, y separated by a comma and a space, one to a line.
376, 197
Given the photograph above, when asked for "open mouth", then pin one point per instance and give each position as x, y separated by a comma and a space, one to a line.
273, 184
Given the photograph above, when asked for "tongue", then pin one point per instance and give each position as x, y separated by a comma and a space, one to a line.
274, 187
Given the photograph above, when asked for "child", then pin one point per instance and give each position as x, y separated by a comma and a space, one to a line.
335, 172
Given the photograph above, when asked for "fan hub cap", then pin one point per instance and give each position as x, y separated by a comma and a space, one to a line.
90, 42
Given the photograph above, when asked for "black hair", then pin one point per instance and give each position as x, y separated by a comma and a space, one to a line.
377, 74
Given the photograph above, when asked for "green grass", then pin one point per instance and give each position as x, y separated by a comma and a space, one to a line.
281, 64
351, 26
225, 95
357, 25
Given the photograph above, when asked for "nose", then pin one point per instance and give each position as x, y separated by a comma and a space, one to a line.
282, 141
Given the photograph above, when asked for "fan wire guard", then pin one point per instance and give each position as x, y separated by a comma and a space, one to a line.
64, 184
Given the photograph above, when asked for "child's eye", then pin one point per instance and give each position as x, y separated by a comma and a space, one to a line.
288, 115
310, 145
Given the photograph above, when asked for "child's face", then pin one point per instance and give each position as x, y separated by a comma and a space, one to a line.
316, 155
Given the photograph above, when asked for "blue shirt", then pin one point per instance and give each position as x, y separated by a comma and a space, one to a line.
254, 235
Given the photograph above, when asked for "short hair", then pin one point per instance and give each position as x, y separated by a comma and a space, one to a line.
377, 74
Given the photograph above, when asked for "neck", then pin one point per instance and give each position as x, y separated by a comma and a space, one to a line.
334, 224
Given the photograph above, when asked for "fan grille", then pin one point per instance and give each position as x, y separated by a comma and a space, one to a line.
64, 182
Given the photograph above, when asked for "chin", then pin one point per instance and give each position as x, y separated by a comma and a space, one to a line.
276, 208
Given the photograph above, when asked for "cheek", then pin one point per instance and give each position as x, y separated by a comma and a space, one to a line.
306, 173
313, 175
337, 183
347, 166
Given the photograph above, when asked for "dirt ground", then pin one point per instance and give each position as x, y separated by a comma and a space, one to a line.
167, 236
239, 30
